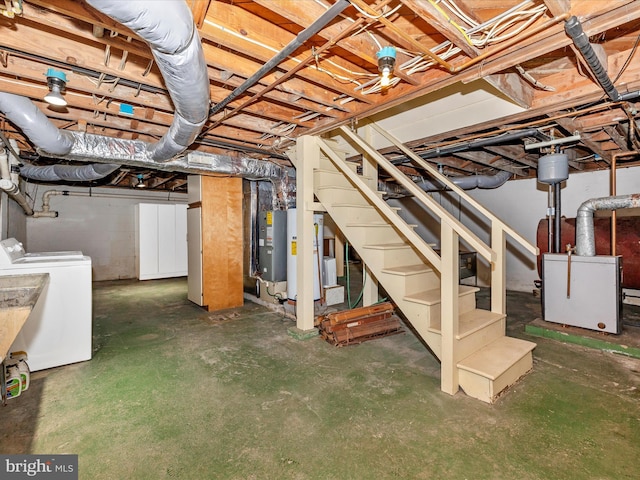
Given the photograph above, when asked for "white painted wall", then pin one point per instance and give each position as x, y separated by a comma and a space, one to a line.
102, 226
13, 221
521, 204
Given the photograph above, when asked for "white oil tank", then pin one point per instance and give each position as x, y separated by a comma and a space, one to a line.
292, 250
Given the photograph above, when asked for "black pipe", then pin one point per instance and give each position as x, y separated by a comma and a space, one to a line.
85, 71
581, 41
478, 143
302, 37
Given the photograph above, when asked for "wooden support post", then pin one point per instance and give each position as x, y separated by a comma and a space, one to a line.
449, 248
339, 251
369, 169
308, 157
498, 269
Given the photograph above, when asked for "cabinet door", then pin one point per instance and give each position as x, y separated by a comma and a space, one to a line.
194, 229
181, 257
147, 241
166, 238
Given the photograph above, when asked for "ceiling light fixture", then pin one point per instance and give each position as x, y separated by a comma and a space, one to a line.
141, 183
57, 82
386, 62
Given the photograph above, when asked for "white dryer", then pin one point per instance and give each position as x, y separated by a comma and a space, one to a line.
58, 330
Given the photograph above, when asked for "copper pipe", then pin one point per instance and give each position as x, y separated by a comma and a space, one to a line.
612, 191
613, 212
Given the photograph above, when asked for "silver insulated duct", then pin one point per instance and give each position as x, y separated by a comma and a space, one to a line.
67, 173
169, 30
585, 237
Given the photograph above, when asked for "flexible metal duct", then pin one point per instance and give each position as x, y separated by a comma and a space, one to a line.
581, 41
585, 238
466, 183
69, 173
35, 125
169, 30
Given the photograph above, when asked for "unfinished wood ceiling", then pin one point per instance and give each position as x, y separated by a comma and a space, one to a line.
332, 77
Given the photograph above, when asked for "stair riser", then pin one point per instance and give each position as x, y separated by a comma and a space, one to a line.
359, 235
409, 284
396, 257
467, 302
335, 196
487, 390
471, 343
358, 214
327, 164
328, 178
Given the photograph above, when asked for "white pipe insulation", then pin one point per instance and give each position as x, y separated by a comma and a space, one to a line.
67, 173
35, 125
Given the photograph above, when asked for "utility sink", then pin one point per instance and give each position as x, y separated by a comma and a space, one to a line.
18, 295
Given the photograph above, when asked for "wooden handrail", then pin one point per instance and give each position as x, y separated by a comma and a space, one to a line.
474, 241
455, 188
382, 206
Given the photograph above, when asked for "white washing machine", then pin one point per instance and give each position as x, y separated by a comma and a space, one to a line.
58, 330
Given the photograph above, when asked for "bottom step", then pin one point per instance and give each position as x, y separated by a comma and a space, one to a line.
489, 371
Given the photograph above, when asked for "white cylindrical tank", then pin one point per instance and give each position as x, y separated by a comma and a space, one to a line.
292, 252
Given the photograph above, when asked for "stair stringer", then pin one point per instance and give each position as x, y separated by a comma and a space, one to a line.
371, 226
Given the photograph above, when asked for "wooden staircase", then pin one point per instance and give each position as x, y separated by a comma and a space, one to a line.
471, 344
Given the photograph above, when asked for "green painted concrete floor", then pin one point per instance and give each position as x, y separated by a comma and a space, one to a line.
174, 391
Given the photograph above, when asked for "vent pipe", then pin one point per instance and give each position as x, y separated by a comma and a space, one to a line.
466, 183
581, 41
585, 237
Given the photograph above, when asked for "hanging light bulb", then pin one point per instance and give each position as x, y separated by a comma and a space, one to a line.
56, 81
386, 62
141, 183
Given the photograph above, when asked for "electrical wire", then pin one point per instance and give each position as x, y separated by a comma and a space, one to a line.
627, 62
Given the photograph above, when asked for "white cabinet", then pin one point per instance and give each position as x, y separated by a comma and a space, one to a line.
161, 240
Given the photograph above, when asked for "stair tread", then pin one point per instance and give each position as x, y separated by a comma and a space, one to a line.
407, 270
497, 357
470, 322
432, 297
354, 205
336, 172
369, 224
388, 246
360, 205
